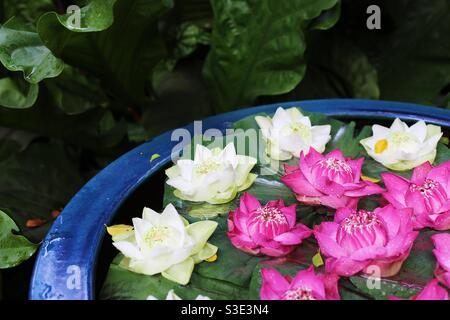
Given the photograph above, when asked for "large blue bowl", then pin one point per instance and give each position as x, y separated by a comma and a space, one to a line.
66, 263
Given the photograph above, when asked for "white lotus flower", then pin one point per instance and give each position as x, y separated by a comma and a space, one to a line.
401, 147
165, 243
214, 176
171, 295
289, 132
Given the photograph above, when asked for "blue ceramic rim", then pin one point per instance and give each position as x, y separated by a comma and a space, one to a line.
66, 261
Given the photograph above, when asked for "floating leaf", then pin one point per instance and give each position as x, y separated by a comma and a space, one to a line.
14, 249
317, 260
154, 157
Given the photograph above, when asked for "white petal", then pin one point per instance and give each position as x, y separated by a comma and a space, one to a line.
228, 155
430, 144
296, 115
265, 123
294, 144
433, 130
200, 233
321, 130
180, 273
281, 118
151, 216
171, 217
305, 121
202, 153
319, 143
380, 132
419, 129
173, 171
186, 187
141, 228
128, 249
186, 167
399, 125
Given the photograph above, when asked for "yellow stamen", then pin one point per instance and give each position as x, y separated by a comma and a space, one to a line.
118, 229
381, 145
366, 178
212, 258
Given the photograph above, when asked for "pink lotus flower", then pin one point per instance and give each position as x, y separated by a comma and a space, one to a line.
428, 193
269, 229
432, 291
360, 240
442, 254
305, 286
330, 180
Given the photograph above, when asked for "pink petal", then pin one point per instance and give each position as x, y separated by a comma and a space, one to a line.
308, 279
356, 166
312, 157
275, 203
387, 267
290, 214
442, 249
416, 201
307, 162
330, 282
368, 253
294, 236
388, 196
239, 219
248, 203
339, 202
344, 266
432, 291
342, 213
397, 186
420, 173
442, 242
325, 234
243, 243
367, 188
401, 244
441, 174
390, 218
329, 187
336, 153
274, 285
280, 251
442, 222
297, 182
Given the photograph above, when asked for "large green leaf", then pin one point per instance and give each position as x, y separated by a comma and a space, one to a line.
257, 48
117, 41
14, 249
17, 95
21, 49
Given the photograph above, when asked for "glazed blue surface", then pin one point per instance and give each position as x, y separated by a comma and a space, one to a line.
66, 262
